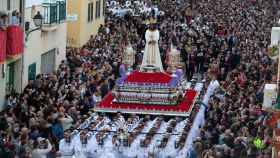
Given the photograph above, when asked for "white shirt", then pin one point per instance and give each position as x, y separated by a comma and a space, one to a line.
213, 86
92, 143
82, 150
107, 30
75, 139
66, 122
42, 153
120, 122
66, 149
94, 98
15, 20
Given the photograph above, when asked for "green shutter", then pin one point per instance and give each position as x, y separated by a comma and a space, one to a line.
62, 11
97, 11
53, 13
32, 71
88, 18
278, 103
10, 76
104, 7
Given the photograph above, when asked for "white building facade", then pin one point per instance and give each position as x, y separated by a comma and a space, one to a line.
44, 49
10, 76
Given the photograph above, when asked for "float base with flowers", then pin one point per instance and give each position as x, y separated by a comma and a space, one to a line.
156, 93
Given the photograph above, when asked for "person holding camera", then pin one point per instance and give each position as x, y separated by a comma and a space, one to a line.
41, 148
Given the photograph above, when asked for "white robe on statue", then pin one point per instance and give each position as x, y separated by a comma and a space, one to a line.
151, 54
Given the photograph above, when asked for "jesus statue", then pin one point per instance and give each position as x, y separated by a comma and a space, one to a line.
151, 58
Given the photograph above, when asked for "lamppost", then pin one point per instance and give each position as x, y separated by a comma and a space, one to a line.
38, 22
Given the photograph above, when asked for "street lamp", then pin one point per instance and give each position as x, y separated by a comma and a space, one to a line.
38, 22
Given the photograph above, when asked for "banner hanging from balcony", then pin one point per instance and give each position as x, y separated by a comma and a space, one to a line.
14, 41
3, 45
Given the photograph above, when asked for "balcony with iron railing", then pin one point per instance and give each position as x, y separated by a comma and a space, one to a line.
49, 15
54, 12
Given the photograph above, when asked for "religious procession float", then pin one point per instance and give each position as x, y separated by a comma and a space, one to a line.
153, 93
151, 90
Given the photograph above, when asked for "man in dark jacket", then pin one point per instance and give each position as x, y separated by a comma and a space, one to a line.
104, 88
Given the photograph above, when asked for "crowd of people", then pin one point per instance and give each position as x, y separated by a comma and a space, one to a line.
223, 38
235, 121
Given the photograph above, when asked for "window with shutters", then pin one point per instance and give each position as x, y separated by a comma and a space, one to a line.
53, 14
61, 11
48, 61
8, 4
10, 76
32, 72
104, 7
90, 12
97, 13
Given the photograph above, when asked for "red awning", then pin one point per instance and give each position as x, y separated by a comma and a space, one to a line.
3, 44
14, 41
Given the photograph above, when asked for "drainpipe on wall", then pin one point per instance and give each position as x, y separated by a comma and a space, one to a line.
23, 53
278, 75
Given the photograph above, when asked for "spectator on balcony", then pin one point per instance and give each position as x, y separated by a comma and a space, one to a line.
15, 21
4, 21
